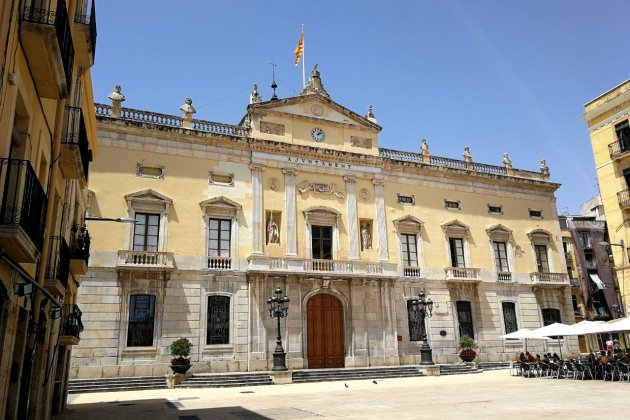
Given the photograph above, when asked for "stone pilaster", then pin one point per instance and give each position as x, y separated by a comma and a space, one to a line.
381, 223
353, 223
291, 211
258, 222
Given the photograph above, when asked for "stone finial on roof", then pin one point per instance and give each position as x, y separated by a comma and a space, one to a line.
506, 161
189, 110
117, 99
544, 169
254, 96
314, 84
467, 155
370, 114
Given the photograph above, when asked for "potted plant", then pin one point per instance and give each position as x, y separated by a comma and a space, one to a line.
467, 346
180, 350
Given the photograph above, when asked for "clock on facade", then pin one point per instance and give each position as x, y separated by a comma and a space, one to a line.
318, 134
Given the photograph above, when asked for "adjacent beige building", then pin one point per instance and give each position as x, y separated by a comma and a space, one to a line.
47, 140
300, 196
607, 117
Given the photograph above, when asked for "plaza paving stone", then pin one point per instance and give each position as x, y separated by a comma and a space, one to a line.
492, 394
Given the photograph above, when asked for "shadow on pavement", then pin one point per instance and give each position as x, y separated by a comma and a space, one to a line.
155, 409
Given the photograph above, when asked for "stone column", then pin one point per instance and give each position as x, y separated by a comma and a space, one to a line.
380, 219
258, 222
291, 211
353, 223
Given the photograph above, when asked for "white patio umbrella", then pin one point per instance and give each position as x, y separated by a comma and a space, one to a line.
524, 333
618, 325
555, 330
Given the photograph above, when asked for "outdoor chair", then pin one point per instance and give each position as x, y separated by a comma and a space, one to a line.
543, 369
569, 369
583, 370
527, 370
609, 370
624, 371
554, 370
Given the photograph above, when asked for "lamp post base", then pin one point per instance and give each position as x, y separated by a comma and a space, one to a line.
426, 354
279, 361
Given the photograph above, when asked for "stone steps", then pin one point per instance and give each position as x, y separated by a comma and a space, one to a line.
135, 383
208, 380
458, 370
493, 365
350, 374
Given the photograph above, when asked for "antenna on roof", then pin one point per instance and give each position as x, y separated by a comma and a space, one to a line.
273, 79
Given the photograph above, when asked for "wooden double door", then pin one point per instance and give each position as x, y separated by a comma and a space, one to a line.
324, 318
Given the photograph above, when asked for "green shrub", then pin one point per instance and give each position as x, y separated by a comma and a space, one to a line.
181, 348
466, 342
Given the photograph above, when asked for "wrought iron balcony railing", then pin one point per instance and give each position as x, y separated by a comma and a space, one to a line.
58, 266
83, 18
23, 200
623, 197
591, 265
80, 246
58, 18
617, 149
71, 324
75, 135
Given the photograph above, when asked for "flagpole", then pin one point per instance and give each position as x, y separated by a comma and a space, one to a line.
303, 60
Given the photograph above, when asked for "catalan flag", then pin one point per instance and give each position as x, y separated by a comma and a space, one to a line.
299, 50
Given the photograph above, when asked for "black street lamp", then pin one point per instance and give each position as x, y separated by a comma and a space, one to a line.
278, 309
424, 308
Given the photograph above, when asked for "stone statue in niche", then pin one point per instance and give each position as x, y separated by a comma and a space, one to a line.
366, 238
273, 232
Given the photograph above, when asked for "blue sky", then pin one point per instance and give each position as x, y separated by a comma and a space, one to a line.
497, 76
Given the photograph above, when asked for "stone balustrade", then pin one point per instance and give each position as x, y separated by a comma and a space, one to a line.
462, 274
146, 259
504, 277
413, 272
561, 279
103, 110
220, 263
299, 265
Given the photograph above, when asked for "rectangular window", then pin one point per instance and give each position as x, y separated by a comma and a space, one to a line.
218, 323
409, 250
541, 258
220, 231
416, 328
576, 308
585, 238
452, 205
623, 135
551, 316
457, 252
535, 214
495, 209
141, 320
464, 318
500, 256
146, 232
321, 241
509, 317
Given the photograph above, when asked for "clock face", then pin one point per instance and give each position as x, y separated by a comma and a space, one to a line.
318, 134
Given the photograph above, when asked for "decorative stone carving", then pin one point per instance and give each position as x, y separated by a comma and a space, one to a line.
424, 147
314, 84
362, 142
273, 231
544, 169
317, 110
148, 170
366, 238
467, 155
220, 178
370, 114
254, 96
506, 161
320, 189
271, 128
117, 99
365, 194
189, 110
273, 184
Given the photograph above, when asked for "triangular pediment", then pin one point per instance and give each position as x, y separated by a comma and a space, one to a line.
220, 202
314, 107
148, 196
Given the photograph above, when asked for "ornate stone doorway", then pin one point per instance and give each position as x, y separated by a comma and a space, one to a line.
324, 318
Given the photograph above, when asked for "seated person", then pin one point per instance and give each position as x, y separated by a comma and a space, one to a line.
538, 358
592, 358
521, 357
530, 357
602, 359
546, 358
556, 358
